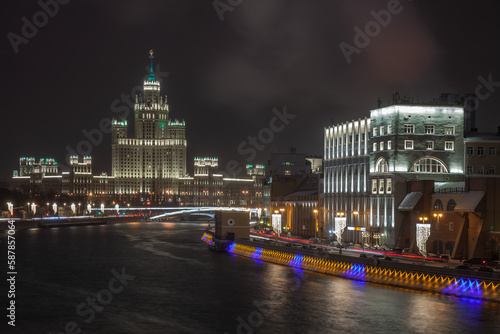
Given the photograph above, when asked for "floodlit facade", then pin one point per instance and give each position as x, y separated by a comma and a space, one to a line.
368, 163
151, 163
482, 156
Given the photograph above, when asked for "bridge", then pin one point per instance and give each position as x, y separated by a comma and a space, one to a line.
161, 213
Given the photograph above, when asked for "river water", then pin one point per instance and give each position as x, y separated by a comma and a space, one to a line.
160, 278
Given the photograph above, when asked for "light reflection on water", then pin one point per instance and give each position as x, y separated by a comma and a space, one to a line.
181, 287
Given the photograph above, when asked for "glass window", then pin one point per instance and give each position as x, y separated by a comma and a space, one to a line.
409, 128
381, 184
374, 186
492, 151
429, 145
451, 205
374, 147
388, 187
438, 205
449, 130
449, 145
428, 165
451, 226
389, 144
408, 144
389, 129
480, 169
374, 132
469, 169
429, 129
470, 151
480, 151
491, 170
381, 130
381, 166
381, 145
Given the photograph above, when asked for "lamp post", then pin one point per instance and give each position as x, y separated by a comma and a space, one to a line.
316, 224
437, 216
355, 213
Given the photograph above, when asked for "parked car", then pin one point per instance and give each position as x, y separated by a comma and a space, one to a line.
476, 261
312, 247
296, 245
488, 269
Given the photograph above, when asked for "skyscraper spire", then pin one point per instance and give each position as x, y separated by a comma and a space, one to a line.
151, 74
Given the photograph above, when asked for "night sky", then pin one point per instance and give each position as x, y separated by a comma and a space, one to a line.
225, 77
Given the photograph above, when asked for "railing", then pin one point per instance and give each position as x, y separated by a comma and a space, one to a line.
450, 190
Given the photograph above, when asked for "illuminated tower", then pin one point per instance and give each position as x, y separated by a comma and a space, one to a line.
150, 164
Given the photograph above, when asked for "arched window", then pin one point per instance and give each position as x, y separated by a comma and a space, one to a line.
451, 205
381, 166
429, 165
438, 205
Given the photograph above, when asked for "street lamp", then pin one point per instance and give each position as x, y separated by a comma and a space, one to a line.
437, 216
316, 229
355, 213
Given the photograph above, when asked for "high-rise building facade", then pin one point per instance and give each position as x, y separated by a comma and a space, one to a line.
151, 163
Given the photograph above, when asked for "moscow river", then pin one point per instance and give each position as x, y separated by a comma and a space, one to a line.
161, 278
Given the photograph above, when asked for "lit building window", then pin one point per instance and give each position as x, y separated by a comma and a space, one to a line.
429, 129
428, 165
389, 129
449, 130
408, 144
409, 128
429, 145
381, 145
381, 166
374, 147
449, 145
374, 132
374, 186
388, 187
389, 144
287, 172
381, 184
381, 130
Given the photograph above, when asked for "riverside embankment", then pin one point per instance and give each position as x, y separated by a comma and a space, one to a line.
442, 280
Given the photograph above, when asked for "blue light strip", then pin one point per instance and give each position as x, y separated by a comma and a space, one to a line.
257, 254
